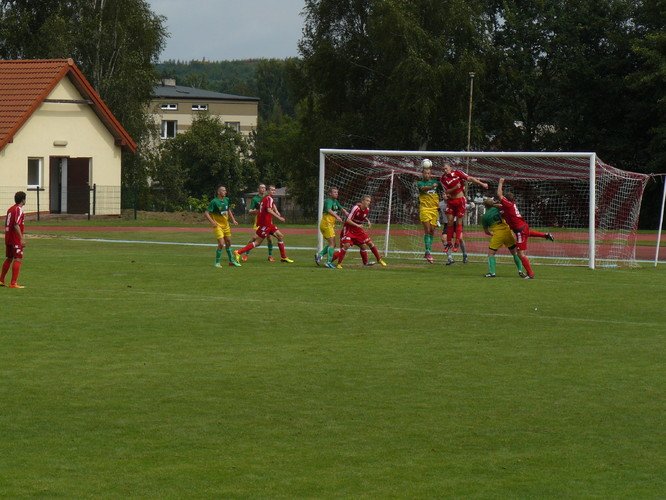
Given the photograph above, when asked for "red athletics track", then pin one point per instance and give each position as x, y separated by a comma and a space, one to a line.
536, 247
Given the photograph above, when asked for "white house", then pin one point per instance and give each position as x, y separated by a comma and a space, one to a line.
58, 136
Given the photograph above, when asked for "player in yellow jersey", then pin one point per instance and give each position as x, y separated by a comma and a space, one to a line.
219, 214
429, 190
332, 211
500, 235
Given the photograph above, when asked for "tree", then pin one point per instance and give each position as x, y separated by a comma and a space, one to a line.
114, 42
196, 161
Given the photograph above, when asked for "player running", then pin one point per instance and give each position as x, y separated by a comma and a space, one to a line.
429, 190
454, 192
14, 240
332, 209
254, 209
219, 214
500, 235
354, 234
267, 210
518, 226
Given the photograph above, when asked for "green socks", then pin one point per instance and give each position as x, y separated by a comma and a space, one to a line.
427, 240
218, 255
492, 264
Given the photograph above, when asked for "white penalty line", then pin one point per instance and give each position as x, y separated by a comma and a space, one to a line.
416, 255
185, 244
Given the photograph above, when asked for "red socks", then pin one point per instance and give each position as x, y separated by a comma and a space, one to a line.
375, 252
526, 265
247, 247
5, 268
16, 268
341, 255
449, 234
283, 253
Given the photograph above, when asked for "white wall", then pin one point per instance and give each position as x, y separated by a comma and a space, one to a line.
86, 137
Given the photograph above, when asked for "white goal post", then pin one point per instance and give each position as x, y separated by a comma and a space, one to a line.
591, 207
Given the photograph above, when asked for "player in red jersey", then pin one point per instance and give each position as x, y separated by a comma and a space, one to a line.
518, 225
354, 234
267, 210
454, 192
14, 240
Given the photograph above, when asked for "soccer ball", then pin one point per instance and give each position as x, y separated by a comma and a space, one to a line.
426, 163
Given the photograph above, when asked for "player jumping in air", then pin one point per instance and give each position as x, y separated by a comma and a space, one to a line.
454, 192
429, 190
254, 209
267, 210
500, 235
14, 240
332, 209
354, 234
219, 214
518, 226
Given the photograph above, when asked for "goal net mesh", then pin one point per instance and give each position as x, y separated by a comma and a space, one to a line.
552, 194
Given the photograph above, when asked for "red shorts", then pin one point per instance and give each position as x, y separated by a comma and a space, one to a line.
456, 206
263, 231
13, 251
356, 237
522, 235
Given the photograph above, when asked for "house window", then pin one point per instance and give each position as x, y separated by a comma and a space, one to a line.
35, 172
169, 128
233, 125
169, 106
199, 107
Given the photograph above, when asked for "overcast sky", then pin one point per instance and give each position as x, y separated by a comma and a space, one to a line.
221, 30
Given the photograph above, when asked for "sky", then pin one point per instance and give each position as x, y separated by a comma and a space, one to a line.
220, 30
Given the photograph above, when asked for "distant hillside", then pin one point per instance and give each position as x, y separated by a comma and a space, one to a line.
229, 77
267, 79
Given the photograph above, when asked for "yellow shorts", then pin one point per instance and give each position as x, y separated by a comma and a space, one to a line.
429, 215
327, 229
501, 237
222, 231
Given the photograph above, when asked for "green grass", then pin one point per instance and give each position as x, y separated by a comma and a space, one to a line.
140, 370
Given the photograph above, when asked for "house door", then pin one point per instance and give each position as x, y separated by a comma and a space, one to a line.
78, 185
57, 166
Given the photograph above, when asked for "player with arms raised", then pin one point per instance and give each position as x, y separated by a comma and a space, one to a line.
267, 210
332, 209
454, 192
354, 234
519, 226
429, 190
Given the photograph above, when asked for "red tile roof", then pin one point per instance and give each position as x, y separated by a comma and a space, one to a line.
24, 84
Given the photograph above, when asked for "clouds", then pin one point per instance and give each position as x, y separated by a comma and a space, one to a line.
230, 29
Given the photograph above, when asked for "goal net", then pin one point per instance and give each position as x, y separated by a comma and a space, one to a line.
590, 207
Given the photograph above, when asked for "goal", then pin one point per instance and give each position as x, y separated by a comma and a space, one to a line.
592, 208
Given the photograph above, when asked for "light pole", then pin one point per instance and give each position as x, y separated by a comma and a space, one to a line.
469, 115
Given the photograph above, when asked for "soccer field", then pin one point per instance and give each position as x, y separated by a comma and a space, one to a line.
141, 370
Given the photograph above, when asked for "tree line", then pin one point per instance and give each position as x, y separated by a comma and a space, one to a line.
382, 74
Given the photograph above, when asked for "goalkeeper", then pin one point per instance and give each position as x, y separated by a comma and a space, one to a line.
500, 235
429, 190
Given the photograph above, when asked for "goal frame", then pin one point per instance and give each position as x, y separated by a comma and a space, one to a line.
592, 158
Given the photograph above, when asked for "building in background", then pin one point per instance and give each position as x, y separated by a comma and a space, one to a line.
175, 107
58, 140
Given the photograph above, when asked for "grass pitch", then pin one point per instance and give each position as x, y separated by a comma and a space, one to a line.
140, 370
